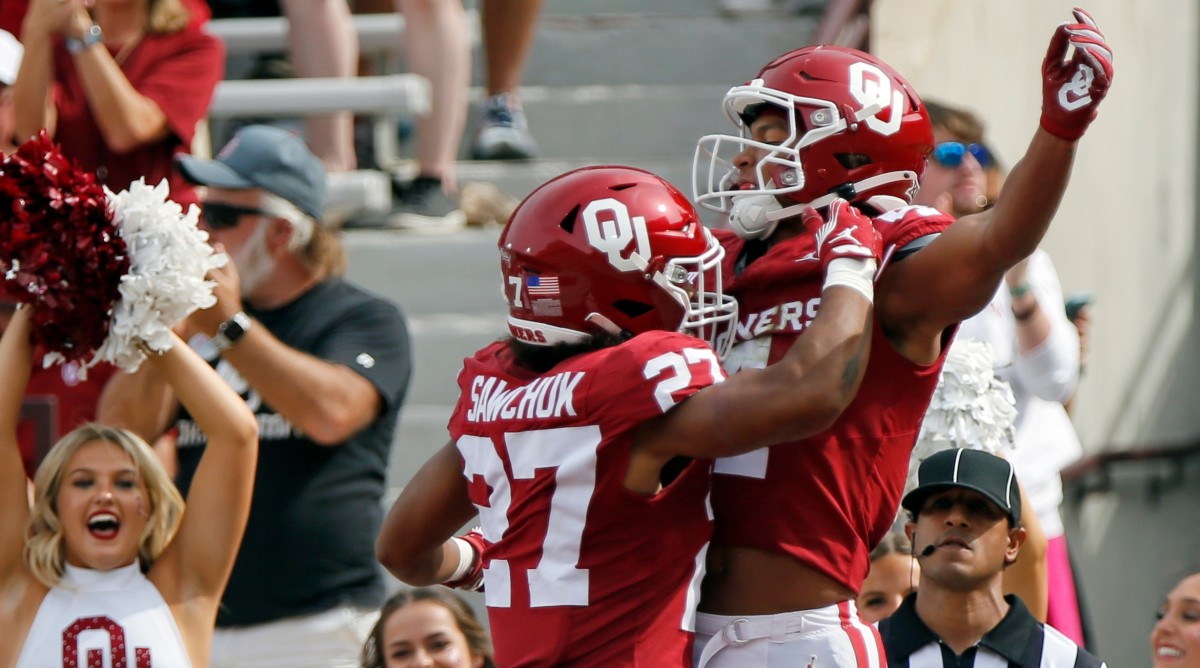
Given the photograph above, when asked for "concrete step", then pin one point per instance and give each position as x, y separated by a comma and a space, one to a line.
618, 122
641, 49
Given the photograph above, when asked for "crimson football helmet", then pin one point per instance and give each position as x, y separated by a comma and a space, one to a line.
611, 249
858, 131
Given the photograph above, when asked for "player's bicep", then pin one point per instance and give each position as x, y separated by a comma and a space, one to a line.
948, 280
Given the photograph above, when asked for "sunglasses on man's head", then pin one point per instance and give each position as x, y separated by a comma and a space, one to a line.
220, 216
951, 153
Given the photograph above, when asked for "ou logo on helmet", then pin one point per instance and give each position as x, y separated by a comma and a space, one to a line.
869, 85
611, 234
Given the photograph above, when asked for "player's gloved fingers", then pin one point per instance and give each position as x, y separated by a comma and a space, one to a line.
1056, 53
1079, 30
1082, 16
836, 209
1099, 57
811, 218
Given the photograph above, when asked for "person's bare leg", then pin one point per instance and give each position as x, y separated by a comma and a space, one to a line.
436, 46
508, 30
322, 43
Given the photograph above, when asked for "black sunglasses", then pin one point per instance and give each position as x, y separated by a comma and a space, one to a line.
220, 216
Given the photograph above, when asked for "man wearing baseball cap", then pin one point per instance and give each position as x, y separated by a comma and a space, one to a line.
325, 366
965, 530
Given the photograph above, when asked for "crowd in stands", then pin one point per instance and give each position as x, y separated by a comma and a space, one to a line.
674, 458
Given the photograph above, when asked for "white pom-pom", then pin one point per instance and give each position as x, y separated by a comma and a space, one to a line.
169, 259
971, 408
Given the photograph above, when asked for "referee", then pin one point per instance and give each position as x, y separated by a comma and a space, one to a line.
965, 530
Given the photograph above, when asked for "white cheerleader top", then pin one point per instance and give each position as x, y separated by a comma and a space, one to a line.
105, 619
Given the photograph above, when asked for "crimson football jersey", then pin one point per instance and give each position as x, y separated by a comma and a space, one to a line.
828, 499
579, 571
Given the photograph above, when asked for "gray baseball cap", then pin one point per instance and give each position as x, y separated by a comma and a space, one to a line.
976, 470
262, 156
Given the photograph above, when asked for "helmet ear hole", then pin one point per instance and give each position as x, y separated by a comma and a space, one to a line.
568, 221
631, 308
853, 160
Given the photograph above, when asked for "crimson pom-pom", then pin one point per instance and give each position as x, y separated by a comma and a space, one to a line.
59, 248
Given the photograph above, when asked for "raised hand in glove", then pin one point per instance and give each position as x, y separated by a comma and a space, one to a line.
843, 232
1073, 88
846, 234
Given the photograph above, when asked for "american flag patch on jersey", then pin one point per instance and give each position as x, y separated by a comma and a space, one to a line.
542, 286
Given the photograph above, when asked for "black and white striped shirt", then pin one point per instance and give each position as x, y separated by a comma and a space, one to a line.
1018, 641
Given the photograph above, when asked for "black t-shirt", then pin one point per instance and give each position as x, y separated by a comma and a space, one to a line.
310, 541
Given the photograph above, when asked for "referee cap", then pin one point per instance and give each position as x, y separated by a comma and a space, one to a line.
975, 470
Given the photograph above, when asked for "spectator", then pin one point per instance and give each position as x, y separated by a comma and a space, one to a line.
795, 523
427, 627
122, 93
323, 43
436, 46
1035, 349
10, 62
107, 546
583, 441
325, 366
57, 400
12, 13
1175, 640
894, 574
508, 30
966, 529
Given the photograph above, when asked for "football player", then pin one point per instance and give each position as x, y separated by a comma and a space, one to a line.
795, 523
584, 441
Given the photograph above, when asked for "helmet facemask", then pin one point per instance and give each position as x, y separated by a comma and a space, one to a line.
695, 282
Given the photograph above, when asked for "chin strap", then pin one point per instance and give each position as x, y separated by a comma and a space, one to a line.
756, 215
752, 216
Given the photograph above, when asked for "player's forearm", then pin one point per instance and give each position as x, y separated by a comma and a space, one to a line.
415, 541
813, 383
833, 352
1029, 199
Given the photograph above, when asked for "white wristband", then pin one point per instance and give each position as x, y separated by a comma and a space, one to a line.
466, 558
852, 272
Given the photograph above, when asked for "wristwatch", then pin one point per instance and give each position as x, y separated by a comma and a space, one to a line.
90, 37
231, 331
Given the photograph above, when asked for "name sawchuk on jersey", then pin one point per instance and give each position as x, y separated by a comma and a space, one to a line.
545, 398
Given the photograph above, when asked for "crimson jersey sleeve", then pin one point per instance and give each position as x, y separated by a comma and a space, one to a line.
579, 571
900, 227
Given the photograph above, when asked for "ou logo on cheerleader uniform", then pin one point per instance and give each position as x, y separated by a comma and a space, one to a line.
117, 651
